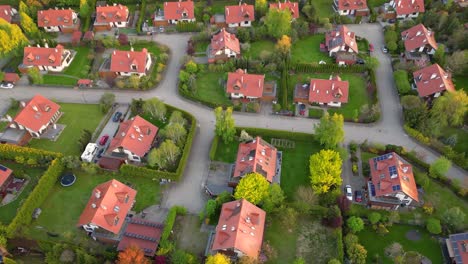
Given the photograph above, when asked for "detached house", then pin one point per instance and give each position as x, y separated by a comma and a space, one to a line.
391, 183
8, 13
240, 85
457, 247
432, 81
241, 15
175, 12
332, 92
351, 7
419, 39
58, 20
224, 45
127, 63
6, 177
239, 231
107, 17
407, 8
46, 59
340, 40
292, 7
133, 140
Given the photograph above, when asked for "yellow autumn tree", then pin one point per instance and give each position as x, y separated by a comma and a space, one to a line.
218, 259
11, 38
325, 171
284, 45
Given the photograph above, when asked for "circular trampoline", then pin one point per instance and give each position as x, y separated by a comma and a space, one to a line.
68, 179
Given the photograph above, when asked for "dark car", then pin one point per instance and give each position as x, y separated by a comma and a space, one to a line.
360, 61
391, 21
358, 196
117, 116
103, 140
100, 152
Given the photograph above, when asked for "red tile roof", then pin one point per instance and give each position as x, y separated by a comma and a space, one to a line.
224, 40
418, 36
142, 233
406, 7
246, 84
174, 10
293, 7
4, 174
240, 226
457, 248
6, 12
55, 17
84, 82
108, 206
135, 135
40, 56
239, 13
432, 79
122, 61
37, 113
390, 174
341, 36
326, 91
256, 156
352, 4
10, 77
110, 14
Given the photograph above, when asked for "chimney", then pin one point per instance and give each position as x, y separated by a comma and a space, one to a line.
113, 53
93, 205
128, 55
97, 194
35, 108
103, 207
23, 104
8, 117
131, 49
227, 10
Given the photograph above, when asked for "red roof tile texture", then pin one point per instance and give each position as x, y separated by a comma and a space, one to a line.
327, 91
224, 40
240, 226
111, 14
352, 4
6, 12
55, 17
10, 77
4, 174
108, 206
256, 156
393, 175
241, 82
142, 233
418, 36
129, 61
432, 79
406, 7
239, 13
339, 37
293, 7
176, 10
41, 56
135, 135
37, 113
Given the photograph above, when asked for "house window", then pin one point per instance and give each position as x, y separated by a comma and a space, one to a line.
127, 197
133, 66
116, 220
382, 176
116, 209
246, 22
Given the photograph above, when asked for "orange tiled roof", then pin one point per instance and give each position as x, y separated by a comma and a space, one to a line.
352, 4
432, 79
341, 36
239, 13
55, 17
246, 84
41, 56
406, 7
110, 14
174, 10
4, 174
6, 12
122, 61
418, 36
37, 113
326, 91
224, 40
293, 7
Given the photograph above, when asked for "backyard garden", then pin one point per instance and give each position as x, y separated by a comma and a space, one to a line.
307, 50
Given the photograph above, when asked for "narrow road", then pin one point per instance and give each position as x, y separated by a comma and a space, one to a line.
189, 192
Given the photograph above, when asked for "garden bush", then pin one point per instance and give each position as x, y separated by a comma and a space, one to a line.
214, 147
402, 82
276, 133
188, 27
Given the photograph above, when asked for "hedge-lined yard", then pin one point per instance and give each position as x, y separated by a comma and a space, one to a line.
257, 47
307, 50
209, 90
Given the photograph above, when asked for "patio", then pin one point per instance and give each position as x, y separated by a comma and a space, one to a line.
53, 132
218, 177
14, 189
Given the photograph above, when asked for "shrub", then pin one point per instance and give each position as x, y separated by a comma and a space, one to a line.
355, 224
374, 217
433, 226
214, 147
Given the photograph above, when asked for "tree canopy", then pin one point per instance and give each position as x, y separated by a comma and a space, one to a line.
355, 224
325, 171
278, 22
433, 226
132, 255
253, 187
225, 126
12, 38
283, 45
218, 259
450, 108
330, 131
440, 167
155, 108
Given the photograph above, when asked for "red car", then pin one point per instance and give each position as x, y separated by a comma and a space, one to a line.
371, 47
103, 140
358, 196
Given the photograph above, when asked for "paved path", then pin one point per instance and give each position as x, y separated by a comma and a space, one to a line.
189, 191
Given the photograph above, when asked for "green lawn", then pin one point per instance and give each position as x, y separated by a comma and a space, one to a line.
324, 8
209, 90
81, 59
201, 46
462, 138
218, 6
376, 244
59, 80
461, 82
257, 47
12, 111
8, 212
76, 117
376, 3
308, 50
152, 48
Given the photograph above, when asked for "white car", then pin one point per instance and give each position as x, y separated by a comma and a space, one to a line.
384, 49
349, 192
6, 85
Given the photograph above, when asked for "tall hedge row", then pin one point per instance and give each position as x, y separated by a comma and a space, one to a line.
10, 152
276, 133
313, 67
214, 147
141, 16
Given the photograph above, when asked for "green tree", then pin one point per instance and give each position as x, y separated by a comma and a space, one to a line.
374, 217
261, 7
454, 218
3, 241
35, 75
390, 35
177, 118
457, 63
357, 254
329, 131
179, 256
176, 132
106, 101
310, 11
274, 199
278, 22
334, 261
71, 162
350, 239
392, 46
301, 261
133, 82
433, 226
253, 187
325, 171
440, 167
28, 25
439, 55
402, 82
210, 207
169, 151
191, 67
84, 139
218, 258
155, 108
355, 224
155, 158
450, 108
84, 9
225, 126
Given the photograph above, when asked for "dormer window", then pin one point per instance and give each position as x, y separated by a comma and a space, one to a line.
134, 67
116, 220
127, 197
116, 208
236, 87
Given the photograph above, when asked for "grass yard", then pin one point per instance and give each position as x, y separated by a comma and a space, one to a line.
307, 50
462, 138
461, 82
188, 235
201, 46
59, 80
152, 48
76, 117
324, 8
376, 244
81, 59
12, 111
257, 47
64, 205
218, 6
376, 3
209, 90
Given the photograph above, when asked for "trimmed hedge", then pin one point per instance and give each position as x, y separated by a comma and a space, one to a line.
141, 16
10, 152
276, 133
339, 243
188, 27
417, 135
170, 220
135, 171
314, 67
214, 147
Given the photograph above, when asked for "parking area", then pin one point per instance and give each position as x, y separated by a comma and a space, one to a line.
357, 182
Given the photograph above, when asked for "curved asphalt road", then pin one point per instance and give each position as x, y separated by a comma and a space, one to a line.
189, 192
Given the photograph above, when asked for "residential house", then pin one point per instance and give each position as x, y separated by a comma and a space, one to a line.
181, 11
351, 7
224, 45
143, 234
332, 92
58, 20
240, 230
407, 8
419, 39
133, 140
457, 247
127, 63
107, 207
8, 13
345, 58
340, 39
432, 81
391, 182
292, 7
46, 59
256, 156
240, 84
6, 177
36, 116
241, 15
114, 16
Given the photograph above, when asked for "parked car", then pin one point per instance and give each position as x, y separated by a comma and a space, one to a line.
117, 116
391, 21
384, 49
103, 140
358, 196
6, 85
349, 192
161, 29
371, 47
100, 152
360, 61
302, 109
